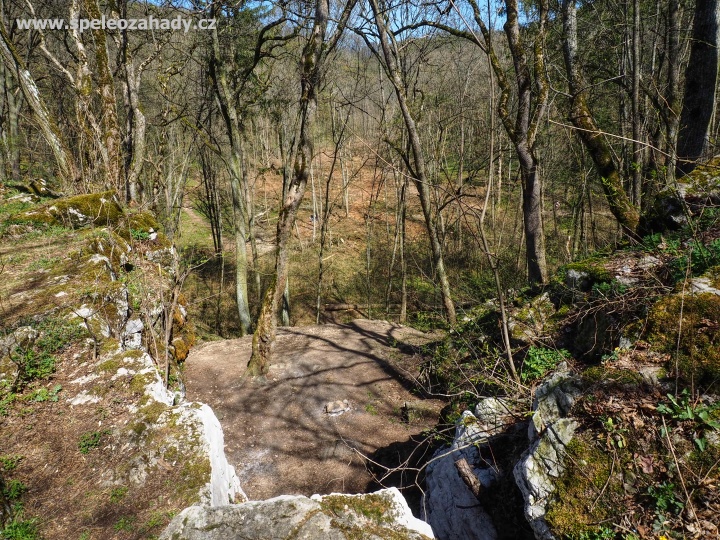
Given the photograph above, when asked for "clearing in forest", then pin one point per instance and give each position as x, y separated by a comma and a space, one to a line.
281, 433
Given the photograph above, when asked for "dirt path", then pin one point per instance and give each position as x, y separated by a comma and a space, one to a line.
278, 433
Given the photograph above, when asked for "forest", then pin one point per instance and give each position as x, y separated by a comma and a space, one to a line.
519, 135
440, 164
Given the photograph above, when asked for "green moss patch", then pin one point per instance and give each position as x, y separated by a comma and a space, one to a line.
693, 338
90, 209
577, 507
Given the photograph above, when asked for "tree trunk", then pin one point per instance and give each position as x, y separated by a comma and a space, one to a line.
235, 168
588, 132
672, 110
135, 132
63, 157
314, 53
524, 141
637, 149
522, 132
12, 131
700, 83
111, 129
421, 179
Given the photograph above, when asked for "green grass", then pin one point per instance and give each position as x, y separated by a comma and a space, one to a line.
21, 529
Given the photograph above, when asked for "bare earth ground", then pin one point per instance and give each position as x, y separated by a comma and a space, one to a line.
278, 434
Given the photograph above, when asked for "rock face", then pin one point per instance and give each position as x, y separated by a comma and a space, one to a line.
549, 433
529, 323
450, 507
380, 515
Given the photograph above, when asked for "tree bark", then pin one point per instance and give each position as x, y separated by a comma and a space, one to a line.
468, 477
11, 132
700, 83
522, 132
587, 131
637, 150
63, 157
672, 109
238, 190
111, 139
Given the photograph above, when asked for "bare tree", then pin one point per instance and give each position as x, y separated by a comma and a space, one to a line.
700, 82
218, 72
13, 63
418, 168
588, 132
314, 54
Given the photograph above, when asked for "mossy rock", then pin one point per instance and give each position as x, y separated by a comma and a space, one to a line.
592, 270
704, 179
699, 340
576, 507
138, 226
532, 321
601, 375
181, 347
78, 211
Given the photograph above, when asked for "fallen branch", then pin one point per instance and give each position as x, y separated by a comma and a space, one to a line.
467, 475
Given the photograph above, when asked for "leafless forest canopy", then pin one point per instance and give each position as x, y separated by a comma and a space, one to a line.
397, 158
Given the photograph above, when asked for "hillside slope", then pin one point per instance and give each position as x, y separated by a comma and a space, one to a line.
92, 444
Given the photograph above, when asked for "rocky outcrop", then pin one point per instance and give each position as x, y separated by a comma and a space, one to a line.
384, 514
452, 509
78, 211
549, 432
529, 324
89, 352
449, 505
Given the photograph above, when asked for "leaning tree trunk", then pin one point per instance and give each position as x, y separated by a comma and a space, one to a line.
314, 54
587, 131
700, 83
420, 177
51, 134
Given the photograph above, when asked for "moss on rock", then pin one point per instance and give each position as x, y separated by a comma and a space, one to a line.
572, 511
80, 210
698, 346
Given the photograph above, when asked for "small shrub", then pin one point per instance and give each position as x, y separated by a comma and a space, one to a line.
32, 365
14, 489
43, 394
118, 494
10, 463
139, 234
37, 362
124, 524
91, 440
665, 499
603, 533
539, 361
700, 257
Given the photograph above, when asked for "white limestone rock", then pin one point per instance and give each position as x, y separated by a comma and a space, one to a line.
449, 506
549, 432
326, 517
